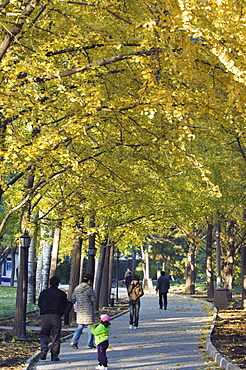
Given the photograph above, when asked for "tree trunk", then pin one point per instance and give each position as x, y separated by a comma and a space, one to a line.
104, 294
100, 265
218, 256
21, 293
75, 265
133, 260
190, 269
143, 262
243, 267
47, 249
91, 250
39, 277
230, 259
13, 254
82, 258
243, 275
19, 297
209, 264
55, 249
110, 273
32, 265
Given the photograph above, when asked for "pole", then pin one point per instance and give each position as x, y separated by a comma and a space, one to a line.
24, 296
117, 276
91, 250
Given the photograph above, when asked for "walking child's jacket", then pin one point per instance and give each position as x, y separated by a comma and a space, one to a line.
100, 332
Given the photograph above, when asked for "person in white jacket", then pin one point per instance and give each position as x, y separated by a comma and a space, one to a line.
85, 299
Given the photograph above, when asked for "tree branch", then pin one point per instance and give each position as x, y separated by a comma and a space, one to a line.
17, 27
5, 219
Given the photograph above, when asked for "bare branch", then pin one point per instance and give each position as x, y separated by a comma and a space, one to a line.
79, 3
104, 62
4, 3
118, 17
17, 27
5, 219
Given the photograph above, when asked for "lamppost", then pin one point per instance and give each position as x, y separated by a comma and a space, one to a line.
117, 275
91, 261
91, 250
25, 244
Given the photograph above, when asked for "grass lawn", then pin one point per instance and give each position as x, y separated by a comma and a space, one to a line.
8, 302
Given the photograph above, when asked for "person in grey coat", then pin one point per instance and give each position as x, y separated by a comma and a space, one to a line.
162, 286
85, 299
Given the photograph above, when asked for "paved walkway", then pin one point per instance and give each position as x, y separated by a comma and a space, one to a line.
172, 340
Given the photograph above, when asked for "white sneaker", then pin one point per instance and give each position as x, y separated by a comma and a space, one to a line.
99, 367
134, 327
130, 327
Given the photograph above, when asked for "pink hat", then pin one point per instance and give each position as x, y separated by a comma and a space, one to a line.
105, 317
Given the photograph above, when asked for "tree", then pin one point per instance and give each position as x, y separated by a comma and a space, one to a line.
134, 110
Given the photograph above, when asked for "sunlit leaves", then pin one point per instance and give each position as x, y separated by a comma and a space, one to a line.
137, 139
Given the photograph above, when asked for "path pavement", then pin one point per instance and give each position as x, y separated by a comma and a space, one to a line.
172, 339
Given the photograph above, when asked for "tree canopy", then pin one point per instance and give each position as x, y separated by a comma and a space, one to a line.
131, 110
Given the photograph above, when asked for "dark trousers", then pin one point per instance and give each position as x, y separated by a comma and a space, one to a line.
163, 299
101, 353
50, 327
134, 312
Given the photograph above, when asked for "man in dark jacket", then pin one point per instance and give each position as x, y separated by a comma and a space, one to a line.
53, 304
162, 286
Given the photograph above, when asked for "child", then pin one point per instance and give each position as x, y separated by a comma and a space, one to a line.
101, 339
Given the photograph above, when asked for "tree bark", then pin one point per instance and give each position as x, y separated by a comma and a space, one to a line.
218, 255
75, 265
21, 293
243, 275
209, 263
82, 258
243, 267
190, 269
76, 258
104, 293
19, 297
39, 279
99, 273
230, 258
55, 249
91, 256
110, 273
46, 250
32, 267
32, 264
13, 267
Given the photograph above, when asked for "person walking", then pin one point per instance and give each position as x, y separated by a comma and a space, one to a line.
85, 299
135, 291
101, 333
53, 304
128, 272
162, 286
128, 281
